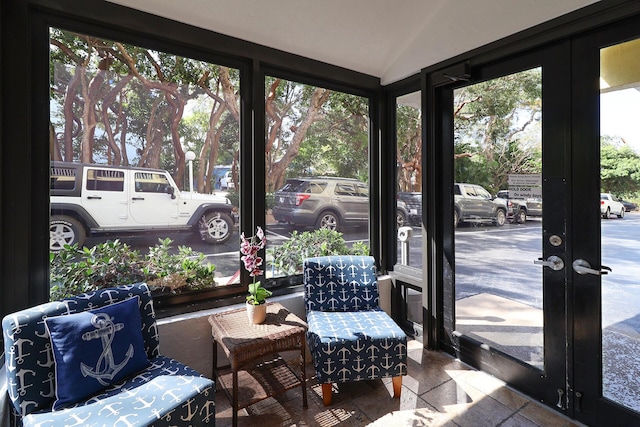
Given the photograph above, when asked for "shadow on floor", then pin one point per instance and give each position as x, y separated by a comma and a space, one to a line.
438, 391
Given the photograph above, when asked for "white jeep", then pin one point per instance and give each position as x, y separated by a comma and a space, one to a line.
91, 199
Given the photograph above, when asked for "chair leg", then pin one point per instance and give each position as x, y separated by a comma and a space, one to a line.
326, 394
397, 385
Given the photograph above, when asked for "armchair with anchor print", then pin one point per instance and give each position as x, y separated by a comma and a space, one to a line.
350, 337
93, 360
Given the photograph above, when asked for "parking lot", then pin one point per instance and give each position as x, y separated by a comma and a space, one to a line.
488, 258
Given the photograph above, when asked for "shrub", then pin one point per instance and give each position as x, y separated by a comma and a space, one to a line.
74, 271
288, 257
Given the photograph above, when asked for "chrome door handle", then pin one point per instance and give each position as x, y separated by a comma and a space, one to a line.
553, 262
581, 266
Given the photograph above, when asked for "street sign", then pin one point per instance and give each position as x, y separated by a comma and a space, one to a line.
524, 186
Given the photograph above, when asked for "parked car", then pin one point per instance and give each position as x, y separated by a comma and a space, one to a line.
518, 209
91, 199
413, 201
472, 203
323, 202
402, 213
226, 182
629, 206
610, 204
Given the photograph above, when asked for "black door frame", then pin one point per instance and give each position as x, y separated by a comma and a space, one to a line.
542, 385
583, 392
589, 405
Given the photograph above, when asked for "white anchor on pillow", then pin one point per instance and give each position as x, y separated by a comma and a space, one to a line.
106, 368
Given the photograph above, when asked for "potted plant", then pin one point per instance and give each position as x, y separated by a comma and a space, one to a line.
257, 298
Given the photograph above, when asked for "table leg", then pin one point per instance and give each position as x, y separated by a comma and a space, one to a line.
235, 398
304, 375
214, 360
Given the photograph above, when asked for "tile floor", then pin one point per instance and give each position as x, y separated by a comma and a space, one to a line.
438, 391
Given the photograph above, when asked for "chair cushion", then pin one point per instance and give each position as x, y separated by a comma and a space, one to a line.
340, 283
166, 393
94, 349
353, 346
27, 346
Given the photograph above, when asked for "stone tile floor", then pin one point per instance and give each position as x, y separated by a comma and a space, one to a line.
438, 391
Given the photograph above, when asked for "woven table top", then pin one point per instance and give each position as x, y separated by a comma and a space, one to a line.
243, 342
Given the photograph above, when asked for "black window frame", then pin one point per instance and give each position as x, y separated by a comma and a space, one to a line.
27, 263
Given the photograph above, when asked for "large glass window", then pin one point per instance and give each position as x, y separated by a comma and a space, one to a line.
409, 178
317, 174
144, 168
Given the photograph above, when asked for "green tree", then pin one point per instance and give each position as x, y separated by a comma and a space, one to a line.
113, 98
497, 128
619, 169
409, 147
292, 108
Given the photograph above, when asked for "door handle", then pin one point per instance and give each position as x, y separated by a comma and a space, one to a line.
137, 198
581, 266
94, 197
553, 262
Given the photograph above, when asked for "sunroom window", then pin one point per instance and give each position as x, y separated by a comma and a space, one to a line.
144, 149
317, 174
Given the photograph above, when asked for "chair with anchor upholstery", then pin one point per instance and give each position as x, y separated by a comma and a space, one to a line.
94, 360
350, 337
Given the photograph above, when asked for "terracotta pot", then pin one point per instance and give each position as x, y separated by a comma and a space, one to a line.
256, 313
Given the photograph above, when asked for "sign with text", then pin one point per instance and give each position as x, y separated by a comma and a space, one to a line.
523, 186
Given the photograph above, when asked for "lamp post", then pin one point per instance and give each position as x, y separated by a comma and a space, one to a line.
190, 156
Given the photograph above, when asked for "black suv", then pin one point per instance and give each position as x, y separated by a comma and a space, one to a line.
413, 202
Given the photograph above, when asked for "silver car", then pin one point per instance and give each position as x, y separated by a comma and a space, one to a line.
322, 202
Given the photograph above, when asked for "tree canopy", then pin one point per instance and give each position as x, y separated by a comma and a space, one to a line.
121, 104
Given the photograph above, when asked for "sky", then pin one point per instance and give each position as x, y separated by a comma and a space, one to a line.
620, 115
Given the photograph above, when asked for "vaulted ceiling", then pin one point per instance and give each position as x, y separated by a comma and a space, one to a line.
389, 39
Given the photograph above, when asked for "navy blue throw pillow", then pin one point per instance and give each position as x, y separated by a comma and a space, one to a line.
96, 348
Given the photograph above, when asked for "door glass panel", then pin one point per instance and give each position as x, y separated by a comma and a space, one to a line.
498, 214
620, 229
409, 178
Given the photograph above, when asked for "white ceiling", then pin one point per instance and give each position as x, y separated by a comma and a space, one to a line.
390, 39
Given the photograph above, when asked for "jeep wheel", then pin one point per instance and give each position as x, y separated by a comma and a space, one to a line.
328, 220
456, 218
606, 214
501, 218
65, 230
216, 228
521, 216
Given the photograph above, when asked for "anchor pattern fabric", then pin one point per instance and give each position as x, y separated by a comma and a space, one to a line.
165, 393
350, 337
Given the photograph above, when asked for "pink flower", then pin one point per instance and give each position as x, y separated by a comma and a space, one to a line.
250, 248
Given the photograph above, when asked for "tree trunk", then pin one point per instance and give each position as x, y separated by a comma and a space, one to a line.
69, 117
276, 173
107, 102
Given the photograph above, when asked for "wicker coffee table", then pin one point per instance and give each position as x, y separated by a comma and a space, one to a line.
256, 369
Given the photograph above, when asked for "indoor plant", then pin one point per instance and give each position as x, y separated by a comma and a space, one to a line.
256, 307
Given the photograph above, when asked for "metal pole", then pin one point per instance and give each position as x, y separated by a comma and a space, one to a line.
404, 235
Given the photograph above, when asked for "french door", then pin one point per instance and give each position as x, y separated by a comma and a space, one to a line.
549, 301
606, 145
506, 130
